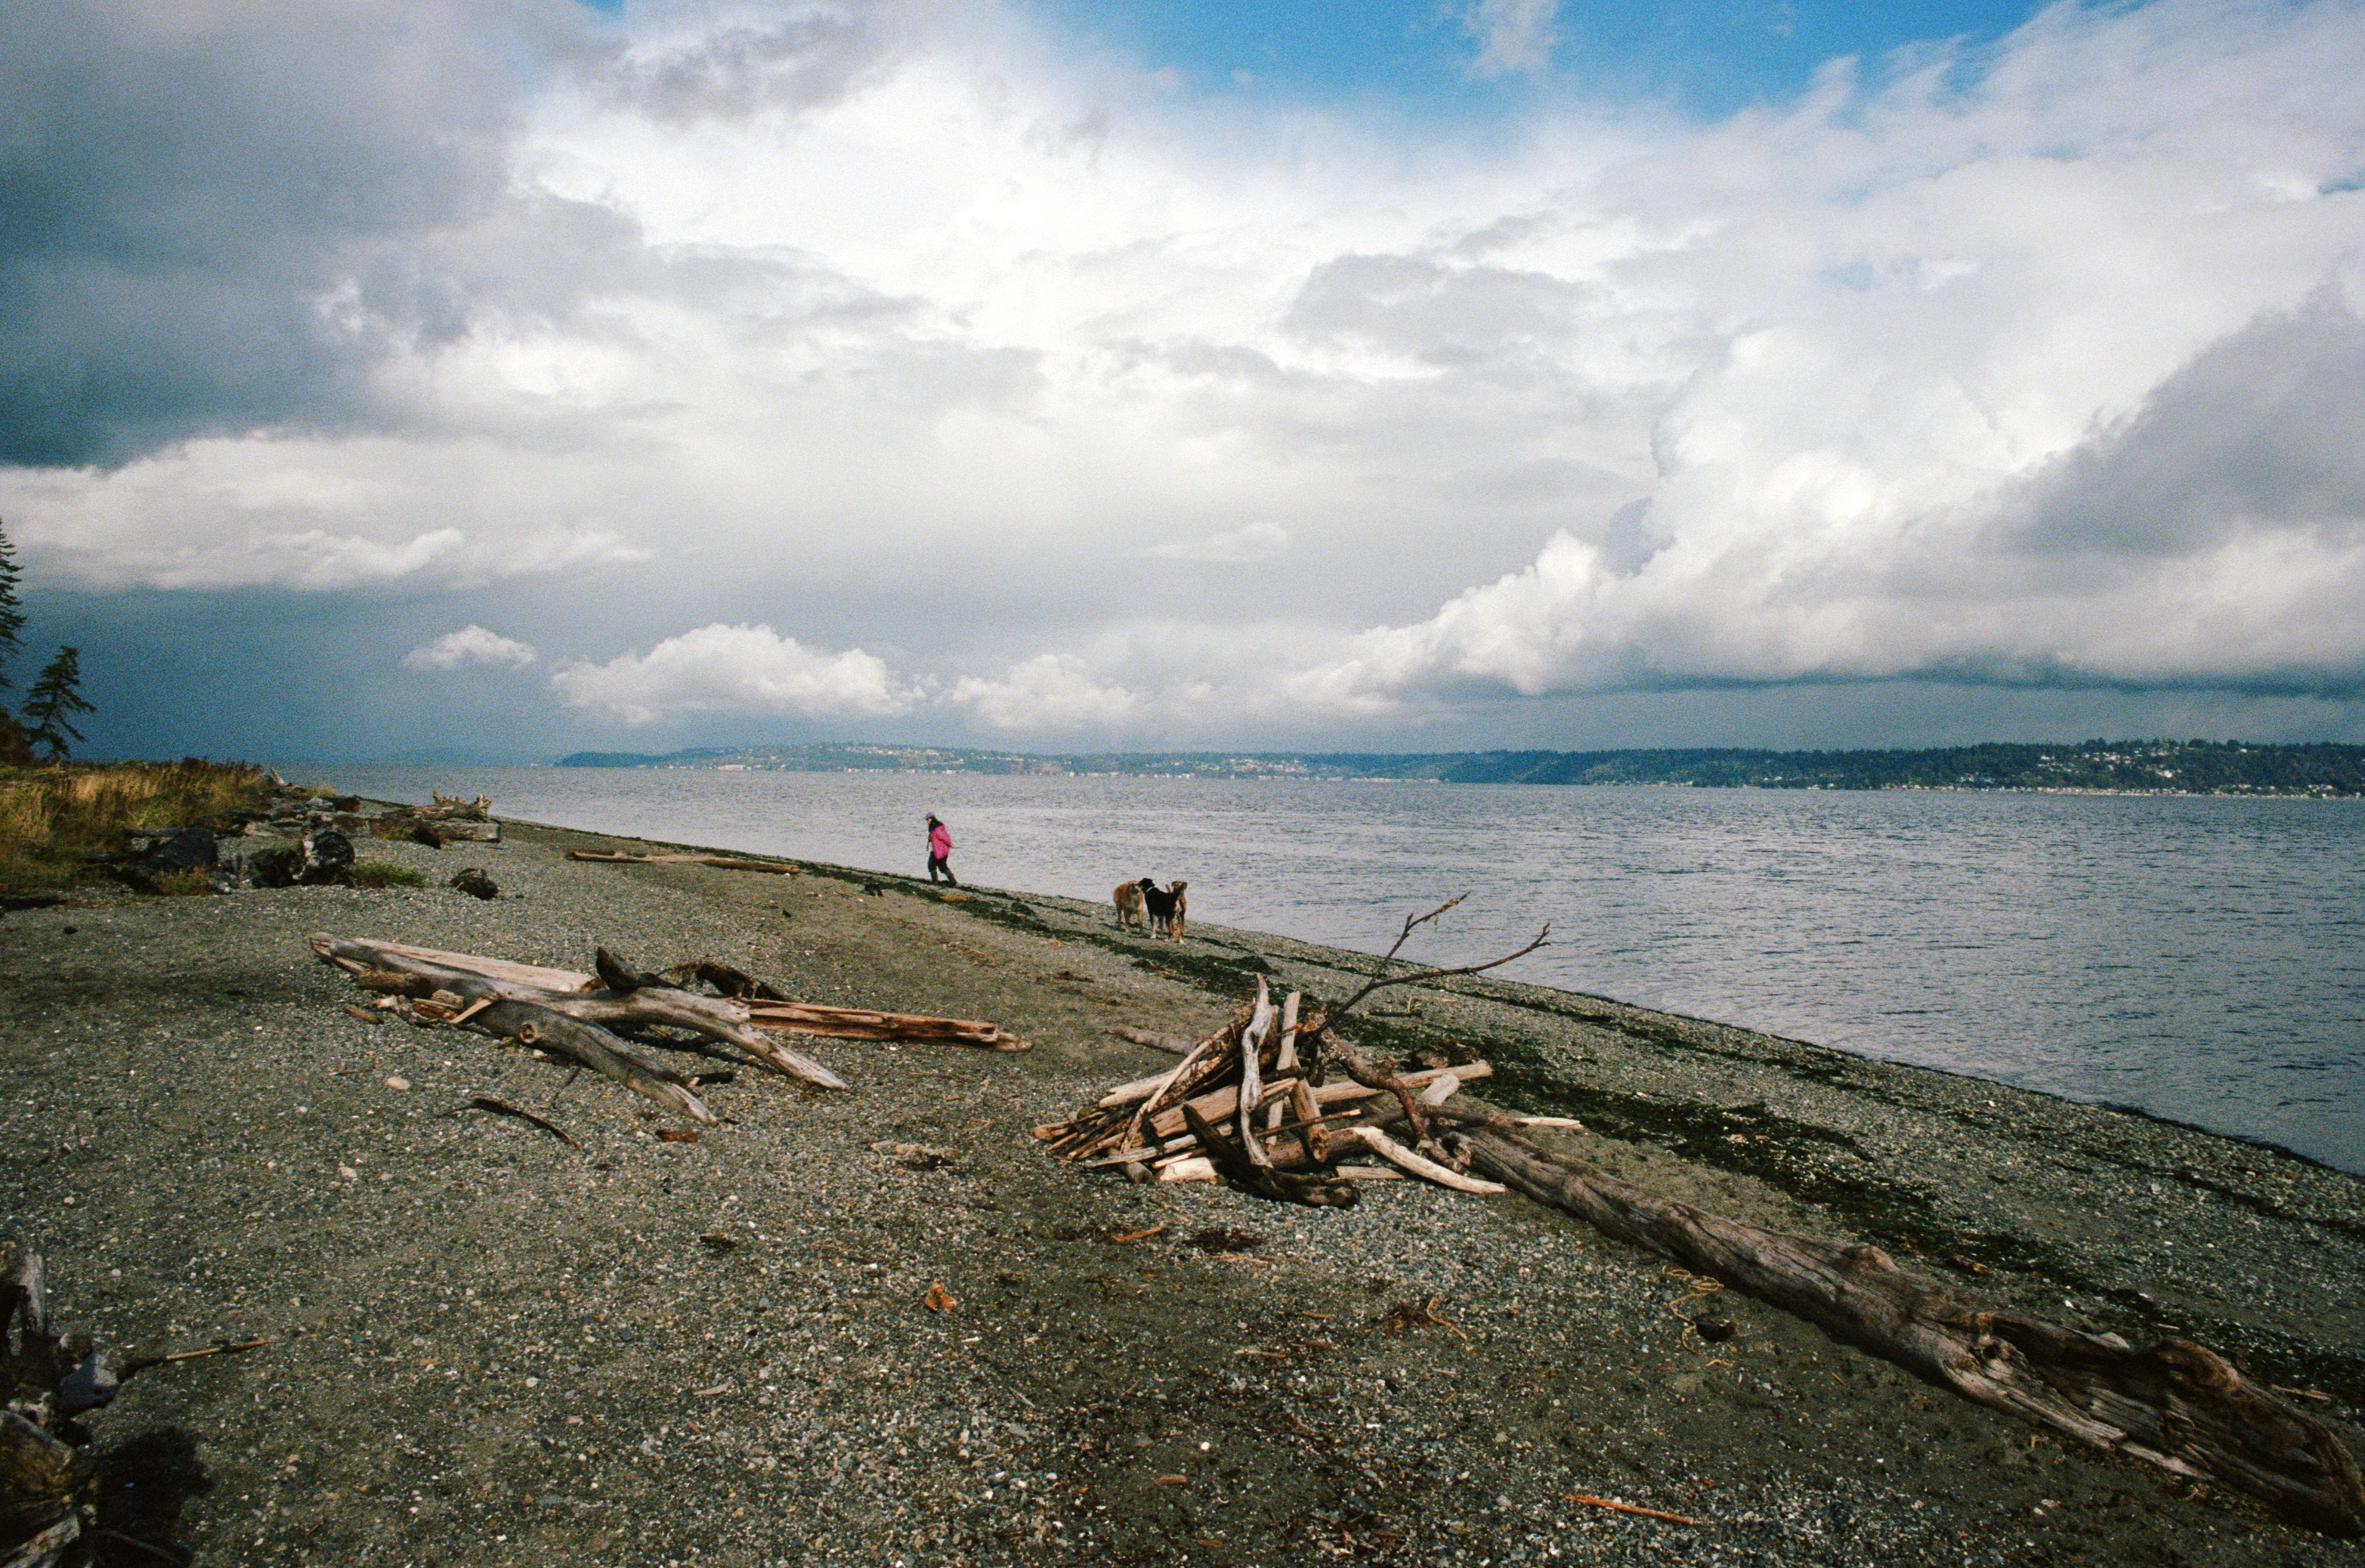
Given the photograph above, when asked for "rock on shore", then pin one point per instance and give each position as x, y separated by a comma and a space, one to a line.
495, 1348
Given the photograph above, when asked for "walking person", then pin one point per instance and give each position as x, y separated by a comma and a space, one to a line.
940, 845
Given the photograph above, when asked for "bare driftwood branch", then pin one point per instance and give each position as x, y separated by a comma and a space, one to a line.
1318, 1040
2176, 1405
1396, 1154
1381, 978
1320, 1190
501, 1108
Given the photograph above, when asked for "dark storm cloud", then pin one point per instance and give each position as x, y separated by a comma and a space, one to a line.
216, 218
2260, 433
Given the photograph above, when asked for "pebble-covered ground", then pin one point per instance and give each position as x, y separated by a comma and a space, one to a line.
491, 1347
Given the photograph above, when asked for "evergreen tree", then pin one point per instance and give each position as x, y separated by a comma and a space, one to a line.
12, 613
55, 695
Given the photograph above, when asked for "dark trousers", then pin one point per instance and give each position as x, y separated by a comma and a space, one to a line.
936, 864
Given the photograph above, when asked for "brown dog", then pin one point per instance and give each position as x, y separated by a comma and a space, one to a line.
1128, 905
1166, 908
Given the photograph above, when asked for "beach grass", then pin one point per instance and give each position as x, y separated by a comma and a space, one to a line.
385, 874
54, 819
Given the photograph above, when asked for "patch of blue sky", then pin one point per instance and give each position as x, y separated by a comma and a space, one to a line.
1702, 58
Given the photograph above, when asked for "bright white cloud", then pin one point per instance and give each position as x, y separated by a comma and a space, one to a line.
317, 515
472, 644
733, 670
1049, 692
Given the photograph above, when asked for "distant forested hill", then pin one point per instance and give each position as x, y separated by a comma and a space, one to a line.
2189, 767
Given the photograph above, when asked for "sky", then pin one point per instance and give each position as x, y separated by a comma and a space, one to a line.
498, 378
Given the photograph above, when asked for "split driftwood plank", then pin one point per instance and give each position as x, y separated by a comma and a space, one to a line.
862, 1024
2176, 1405
721, 862
1177, 1044
535, 975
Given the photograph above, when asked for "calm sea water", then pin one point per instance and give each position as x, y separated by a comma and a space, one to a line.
2200, 959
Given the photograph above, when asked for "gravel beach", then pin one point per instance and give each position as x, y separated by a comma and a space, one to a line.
491, 1347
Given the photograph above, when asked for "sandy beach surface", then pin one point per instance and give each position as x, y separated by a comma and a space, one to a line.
491, 1347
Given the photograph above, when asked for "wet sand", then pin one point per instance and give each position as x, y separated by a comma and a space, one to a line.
495, 1348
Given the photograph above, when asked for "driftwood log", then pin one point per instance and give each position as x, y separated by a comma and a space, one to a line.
520, 1003
2176, 1405
586, 1018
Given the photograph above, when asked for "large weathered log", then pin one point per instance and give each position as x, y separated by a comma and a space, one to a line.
559, 991
531, 1019
2176, 1405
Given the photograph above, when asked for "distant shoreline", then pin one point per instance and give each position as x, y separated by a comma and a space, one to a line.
2199, 769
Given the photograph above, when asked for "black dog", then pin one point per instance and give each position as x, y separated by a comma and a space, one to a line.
1166, 908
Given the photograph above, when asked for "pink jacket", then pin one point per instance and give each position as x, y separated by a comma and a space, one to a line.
940, 841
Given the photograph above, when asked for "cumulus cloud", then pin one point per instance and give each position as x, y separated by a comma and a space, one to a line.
472, 644
733, 670
1514, 36
2213, 537
1050, 691
2032, 364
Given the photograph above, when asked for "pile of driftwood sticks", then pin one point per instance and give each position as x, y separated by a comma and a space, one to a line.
1249, 1103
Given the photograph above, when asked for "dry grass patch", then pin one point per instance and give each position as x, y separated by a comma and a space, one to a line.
385, 874
52, 819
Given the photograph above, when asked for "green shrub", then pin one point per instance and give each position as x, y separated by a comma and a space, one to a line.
386, 874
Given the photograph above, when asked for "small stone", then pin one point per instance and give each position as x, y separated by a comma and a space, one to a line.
86, 1387
397, 1083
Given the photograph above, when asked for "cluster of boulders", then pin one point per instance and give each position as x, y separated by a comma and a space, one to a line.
318, 851
321, 851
